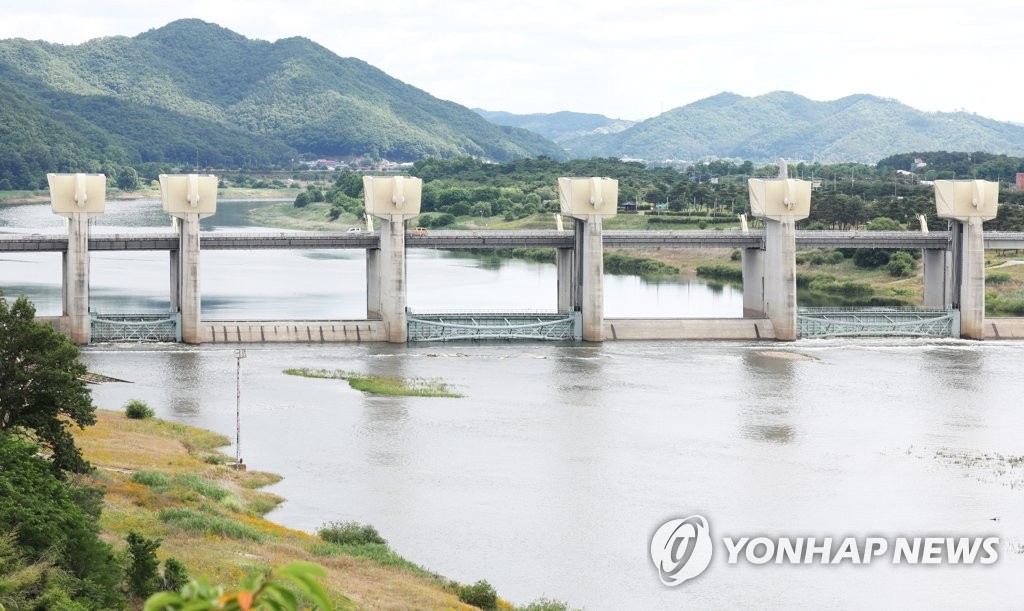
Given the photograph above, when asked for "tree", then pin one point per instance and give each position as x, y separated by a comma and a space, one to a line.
142, 570
127, 179
48, 525
41, 390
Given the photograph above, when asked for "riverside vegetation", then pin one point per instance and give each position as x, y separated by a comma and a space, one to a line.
467, 194
102, 509
381, 385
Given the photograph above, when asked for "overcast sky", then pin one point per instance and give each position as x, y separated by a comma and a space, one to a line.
629, 59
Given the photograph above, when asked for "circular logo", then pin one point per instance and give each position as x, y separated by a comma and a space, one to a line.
681, 549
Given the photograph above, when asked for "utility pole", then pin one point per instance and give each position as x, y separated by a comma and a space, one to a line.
239, 355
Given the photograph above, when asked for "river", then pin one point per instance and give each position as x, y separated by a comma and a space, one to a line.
550, 475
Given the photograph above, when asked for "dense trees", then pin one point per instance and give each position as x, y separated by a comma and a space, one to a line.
41, 391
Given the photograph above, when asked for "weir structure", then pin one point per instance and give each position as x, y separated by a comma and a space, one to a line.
77, 197
967, 204
769, 275
953, 275
187, 198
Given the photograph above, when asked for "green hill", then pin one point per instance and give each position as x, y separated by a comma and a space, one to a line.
558, 126
193, 88
861, 128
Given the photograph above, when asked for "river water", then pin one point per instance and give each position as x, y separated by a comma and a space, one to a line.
549, 476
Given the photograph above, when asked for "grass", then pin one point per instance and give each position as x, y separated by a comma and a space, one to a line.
219, 525
381, 385
158, 484
379, 553
203, 486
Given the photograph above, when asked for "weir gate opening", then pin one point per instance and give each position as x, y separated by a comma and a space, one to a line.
463, 326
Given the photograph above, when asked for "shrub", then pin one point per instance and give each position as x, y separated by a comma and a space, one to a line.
817, 259
735, 255
870, 257
718, 271
350, 533
137, 410
998, 278
835, 257
900, 264
481, 595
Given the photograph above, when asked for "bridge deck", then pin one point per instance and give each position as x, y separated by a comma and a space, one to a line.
493, 239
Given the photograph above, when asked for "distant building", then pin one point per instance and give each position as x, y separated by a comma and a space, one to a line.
1020, 180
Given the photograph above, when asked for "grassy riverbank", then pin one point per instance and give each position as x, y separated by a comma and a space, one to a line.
165, 480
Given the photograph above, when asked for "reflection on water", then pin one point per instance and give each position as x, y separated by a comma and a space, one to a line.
315, 284
580, 452
548, 477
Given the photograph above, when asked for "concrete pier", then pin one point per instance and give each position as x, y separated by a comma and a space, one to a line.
565, 265
781, 203
972, 281
390, 280
76, 279
592, 280
752, 260
373, 283
392, 199
968, 204
780, 276
938, 279
76, 197
587, 201
187, 271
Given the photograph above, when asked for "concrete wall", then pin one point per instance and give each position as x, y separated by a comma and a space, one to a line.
688, 328
293, 331
1004, 328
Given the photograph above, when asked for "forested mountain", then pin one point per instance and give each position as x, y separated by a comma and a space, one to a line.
860, 128
558, 126
194, 89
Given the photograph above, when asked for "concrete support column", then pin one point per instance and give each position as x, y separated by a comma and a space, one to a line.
972, 281
76, 278
753, 282
780, 276
938, 278
592, 279
565, 263
175, 265
188, 279
391, 278
373, 284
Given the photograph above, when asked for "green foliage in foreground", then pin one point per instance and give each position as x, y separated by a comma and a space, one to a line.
285, 588
380, 385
